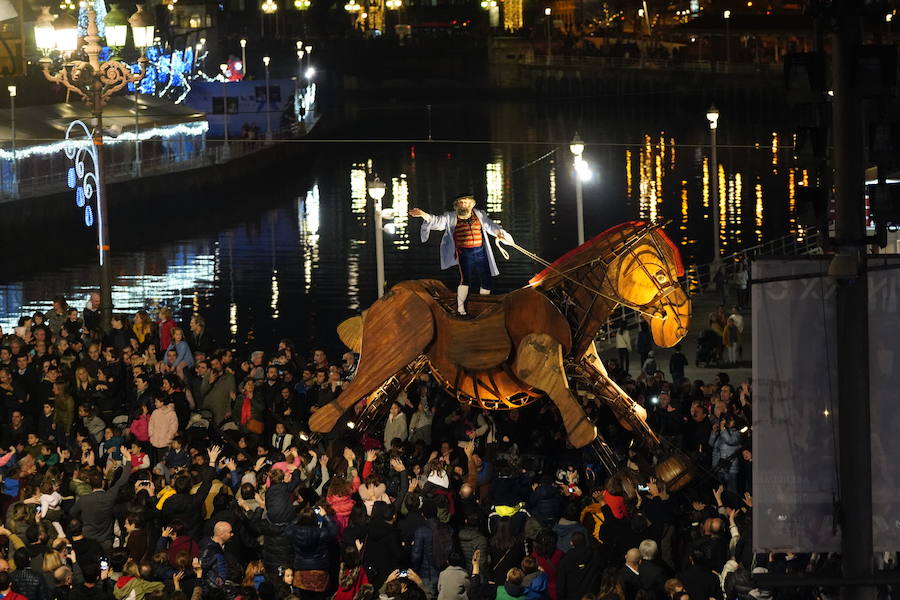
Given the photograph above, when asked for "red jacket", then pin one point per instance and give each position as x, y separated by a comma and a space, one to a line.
11, 595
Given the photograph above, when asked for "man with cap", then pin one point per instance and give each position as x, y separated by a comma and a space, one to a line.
465, 243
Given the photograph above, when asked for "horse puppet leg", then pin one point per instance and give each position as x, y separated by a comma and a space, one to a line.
631, 415
539, 363
396, 330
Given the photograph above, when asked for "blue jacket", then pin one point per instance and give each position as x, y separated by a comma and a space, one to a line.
212, 561
536, 586
183, 353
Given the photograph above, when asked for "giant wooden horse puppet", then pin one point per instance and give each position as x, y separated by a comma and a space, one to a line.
532, 342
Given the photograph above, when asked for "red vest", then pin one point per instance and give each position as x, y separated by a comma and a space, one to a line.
468, 233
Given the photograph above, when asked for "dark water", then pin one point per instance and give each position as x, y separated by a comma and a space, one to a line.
304, 260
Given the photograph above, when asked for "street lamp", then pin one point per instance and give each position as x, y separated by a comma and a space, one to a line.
547, 13
95, 82
143, 28
266, 60
582, 173
376, 189
244, 56
12, 125
712, 115
226, 150
727, 15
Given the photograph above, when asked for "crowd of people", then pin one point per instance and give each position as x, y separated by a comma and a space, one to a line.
148, 462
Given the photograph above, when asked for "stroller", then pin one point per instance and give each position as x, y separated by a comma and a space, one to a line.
709, 348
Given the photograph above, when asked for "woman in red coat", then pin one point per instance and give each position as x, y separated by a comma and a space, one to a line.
548, 556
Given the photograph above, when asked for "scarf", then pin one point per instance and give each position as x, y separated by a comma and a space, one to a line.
245, 410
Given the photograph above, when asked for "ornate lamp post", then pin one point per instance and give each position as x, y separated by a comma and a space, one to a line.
95, 82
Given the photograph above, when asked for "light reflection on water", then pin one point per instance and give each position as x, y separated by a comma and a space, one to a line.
298, 268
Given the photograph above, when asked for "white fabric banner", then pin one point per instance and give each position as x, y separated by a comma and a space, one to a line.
795, 477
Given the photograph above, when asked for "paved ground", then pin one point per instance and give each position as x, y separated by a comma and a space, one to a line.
703, 305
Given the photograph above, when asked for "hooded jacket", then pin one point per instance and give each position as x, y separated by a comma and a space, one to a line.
341, 505
565, 530
536, 586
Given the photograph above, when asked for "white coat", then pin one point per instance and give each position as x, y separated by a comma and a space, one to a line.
447, 223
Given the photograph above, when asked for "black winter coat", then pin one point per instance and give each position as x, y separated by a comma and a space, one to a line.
383, 552
545, 504
579, 573
278, 546
311, 544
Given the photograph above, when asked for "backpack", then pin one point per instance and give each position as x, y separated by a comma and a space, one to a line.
442, 545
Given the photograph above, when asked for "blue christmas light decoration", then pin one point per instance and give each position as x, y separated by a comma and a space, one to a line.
167, 75
83, 176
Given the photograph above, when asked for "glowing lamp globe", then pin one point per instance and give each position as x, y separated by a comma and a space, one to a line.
116, 27
65, 32
377, 189
577, 146
44, 34
143, 27
712, 115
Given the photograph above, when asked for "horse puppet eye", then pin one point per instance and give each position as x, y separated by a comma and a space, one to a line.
661, 276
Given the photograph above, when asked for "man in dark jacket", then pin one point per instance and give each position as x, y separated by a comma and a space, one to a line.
699, 580
546, 502
27, 581
96, 509
186, 507
471, 540
654, 572
212, 561
96, 585
579, 570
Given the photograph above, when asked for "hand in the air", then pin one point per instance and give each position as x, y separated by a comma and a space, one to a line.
417, 212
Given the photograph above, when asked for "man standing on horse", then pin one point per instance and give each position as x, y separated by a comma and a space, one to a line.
465, 243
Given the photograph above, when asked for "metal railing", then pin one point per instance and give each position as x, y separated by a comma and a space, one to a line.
660, 64
212, 152
698, 279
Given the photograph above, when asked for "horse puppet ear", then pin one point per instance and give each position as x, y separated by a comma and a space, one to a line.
351, 330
